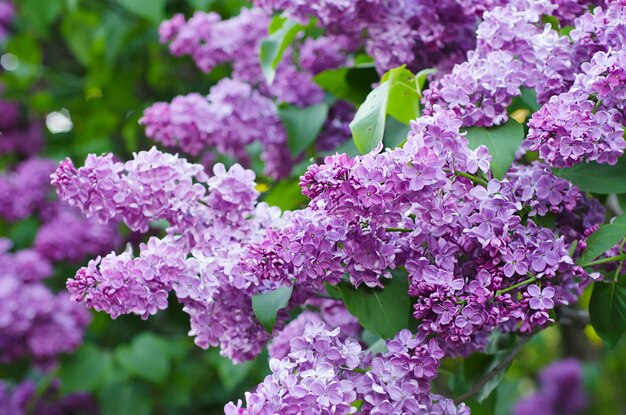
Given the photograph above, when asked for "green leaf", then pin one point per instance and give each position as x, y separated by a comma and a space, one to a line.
607, 311
40, 14
266, 305
152, 10
273, 47
597, 178
395, 133
232, 375
421, 77
502, 142
286, 194
383, 311
398, 96
368, 126
84, 370
404, 97
350, 84
478, 366
303, 125
606, 237
147, 357
125, 398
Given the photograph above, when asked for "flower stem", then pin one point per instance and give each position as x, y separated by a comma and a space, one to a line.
519, 284
604, 260
473, 178
399, 230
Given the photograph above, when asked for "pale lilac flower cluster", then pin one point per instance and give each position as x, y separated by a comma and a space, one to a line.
121, 284
328, 375
211, 41
67, 235
332, 313
24, 191
213, 220
516, 49
233, 116
152, 186
34, 322
560, 391
585, 123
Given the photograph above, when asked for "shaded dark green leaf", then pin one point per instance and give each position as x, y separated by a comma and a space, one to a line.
597, 178
502, 142
147, 357
303, 125
384, 311
607, 311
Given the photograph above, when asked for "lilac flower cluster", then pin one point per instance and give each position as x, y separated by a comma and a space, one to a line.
233, 116
561, 391
7, 10
211, 41
212, 220
331, 313
585, 123
327, 375
516, 49
240, 110
469, 250
151, 187
420, 34
16, 135
24, 191
24, 399
34, 322
462, 244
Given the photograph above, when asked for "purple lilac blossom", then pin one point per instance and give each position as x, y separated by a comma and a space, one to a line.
67, 235
150, 187
34, 322
477, 245
325, 374
560, 391
19, 399
233, 116
332, 313
25, 190
7, 12
585, 123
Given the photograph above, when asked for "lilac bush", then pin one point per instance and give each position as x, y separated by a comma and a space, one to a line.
484, 204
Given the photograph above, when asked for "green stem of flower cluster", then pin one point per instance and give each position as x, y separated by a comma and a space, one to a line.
399, 230
513, 287
471, 177
600, 261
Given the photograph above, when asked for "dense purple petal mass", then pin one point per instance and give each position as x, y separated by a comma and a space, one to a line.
327, 375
